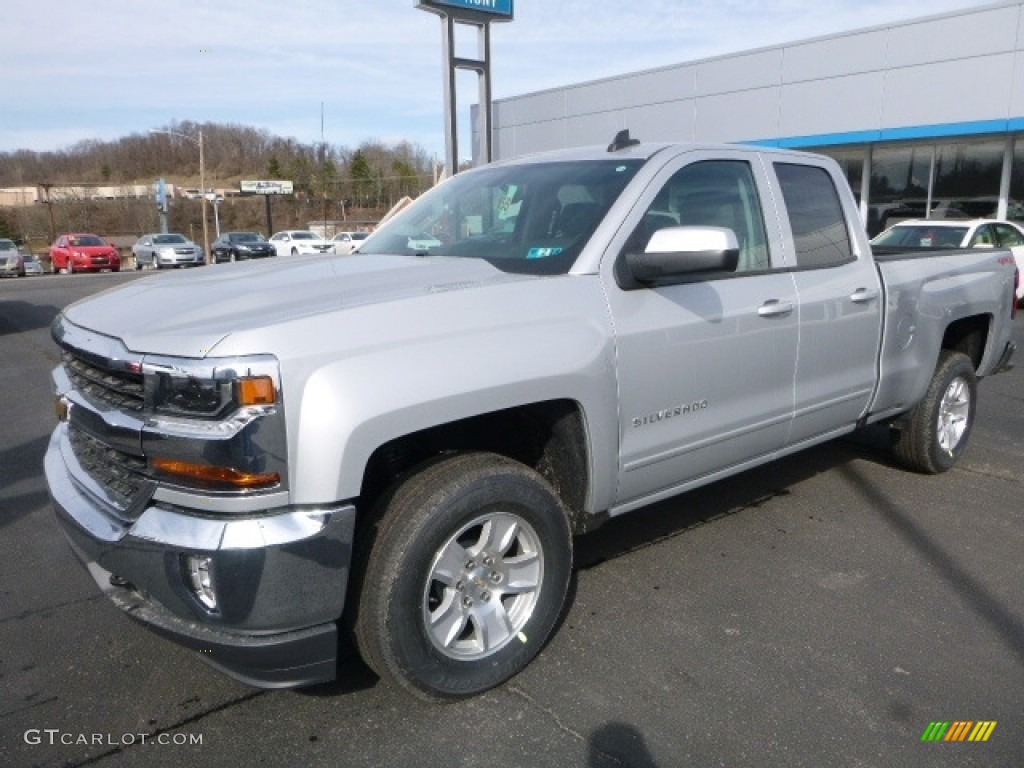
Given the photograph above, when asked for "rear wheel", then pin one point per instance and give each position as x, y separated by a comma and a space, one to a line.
934, 434
465, 577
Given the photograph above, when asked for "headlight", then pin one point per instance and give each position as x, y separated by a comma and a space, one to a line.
210, 389
215, 423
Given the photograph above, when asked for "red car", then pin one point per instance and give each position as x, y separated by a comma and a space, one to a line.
83, 253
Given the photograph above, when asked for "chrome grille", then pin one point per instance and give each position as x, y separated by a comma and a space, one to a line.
119, 474
118, 388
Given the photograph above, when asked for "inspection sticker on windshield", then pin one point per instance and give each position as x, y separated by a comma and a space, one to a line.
542, 253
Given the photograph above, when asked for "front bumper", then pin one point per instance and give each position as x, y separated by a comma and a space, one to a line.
179, 260
280, 575
97, 266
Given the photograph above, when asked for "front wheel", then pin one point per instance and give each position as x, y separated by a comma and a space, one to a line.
933, 436
466, 576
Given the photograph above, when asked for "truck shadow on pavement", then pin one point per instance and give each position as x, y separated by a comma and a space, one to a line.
646, 527
747, 490
21, 316
941, 560
19, 463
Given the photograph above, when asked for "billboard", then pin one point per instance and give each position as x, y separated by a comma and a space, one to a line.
493, 10
265, 187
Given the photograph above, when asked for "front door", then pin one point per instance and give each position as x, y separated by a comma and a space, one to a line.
706, 368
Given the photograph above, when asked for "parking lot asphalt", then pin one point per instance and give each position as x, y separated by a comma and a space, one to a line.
819, 611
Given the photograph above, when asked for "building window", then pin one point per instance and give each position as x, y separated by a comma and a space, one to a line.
852, 163
1015, 205
967, 180
899, 185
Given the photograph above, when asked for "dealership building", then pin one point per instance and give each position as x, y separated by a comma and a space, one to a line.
925, 116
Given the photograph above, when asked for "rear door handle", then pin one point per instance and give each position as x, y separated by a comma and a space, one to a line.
863, 295
775, 308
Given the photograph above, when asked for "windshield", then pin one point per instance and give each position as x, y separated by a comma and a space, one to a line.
922, 236
7, 245
304, 236
245, 237
85, 240
533, 218
169, 239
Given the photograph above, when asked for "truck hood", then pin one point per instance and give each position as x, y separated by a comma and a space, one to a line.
188, 313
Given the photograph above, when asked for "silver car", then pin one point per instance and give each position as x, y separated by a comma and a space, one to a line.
32, 265
12, 262
164, 250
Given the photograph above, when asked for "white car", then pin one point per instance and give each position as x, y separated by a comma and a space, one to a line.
346, 242
958, 233
292, 242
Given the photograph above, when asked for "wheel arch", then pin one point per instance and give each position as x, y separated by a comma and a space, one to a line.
550, 437
969, 335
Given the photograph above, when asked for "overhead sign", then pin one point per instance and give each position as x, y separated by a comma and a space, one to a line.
265, 187
495, 10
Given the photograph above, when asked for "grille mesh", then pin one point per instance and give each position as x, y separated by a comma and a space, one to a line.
117, 472
119, 389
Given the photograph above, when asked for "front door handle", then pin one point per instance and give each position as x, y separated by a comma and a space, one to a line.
775, 308
863, 295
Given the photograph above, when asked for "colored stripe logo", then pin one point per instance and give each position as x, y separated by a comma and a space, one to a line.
959, 730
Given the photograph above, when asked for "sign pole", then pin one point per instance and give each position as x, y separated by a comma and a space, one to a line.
451, 128
480, 14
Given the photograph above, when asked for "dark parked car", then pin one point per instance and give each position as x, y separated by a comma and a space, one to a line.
239, 246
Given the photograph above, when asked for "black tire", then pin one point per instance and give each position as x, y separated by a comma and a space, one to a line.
435, 573
932, 437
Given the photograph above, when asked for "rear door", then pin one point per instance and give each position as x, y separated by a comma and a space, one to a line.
706, 368
840, 301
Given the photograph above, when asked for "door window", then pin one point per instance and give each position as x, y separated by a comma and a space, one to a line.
712, 193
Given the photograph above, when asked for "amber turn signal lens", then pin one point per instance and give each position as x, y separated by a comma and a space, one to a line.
212, 474
256, 390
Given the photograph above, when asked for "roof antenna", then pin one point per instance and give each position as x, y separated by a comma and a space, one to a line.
622, 141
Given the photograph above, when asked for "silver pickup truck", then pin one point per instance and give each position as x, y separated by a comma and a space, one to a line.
261, 460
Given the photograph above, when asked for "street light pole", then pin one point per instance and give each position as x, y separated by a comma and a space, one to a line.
202, 182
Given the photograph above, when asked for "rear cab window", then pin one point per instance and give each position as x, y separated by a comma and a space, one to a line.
820, 234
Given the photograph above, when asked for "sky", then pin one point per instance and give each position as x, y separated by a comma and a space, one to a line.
350, 71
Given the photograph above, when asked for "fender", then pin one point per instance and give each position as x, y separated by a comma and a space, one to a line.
423, 370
